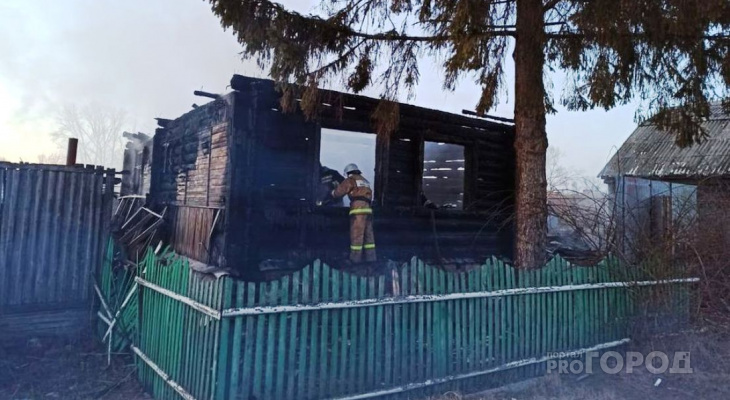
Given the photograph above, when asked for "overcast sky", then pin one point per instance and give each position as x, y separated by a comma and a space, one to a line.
147, 57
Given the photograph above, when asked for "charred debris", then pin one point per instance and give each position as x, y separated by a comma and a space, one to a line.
236, 183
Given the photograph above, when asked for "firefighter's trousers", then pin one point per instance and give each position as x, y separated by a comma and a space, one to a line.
362, 237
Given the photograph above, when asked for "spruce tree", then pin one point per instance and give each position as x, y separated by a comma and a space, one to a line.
672, 55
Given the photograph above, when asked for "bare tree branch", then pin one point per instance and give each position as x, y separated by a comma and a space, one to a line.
57, 158
99, 130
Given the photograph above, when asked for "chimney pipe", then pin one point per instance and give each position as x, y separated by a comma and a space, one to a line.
73, 145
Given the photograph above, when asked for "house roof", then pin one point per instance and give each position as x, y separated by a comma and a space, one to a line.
354, 102
652, 153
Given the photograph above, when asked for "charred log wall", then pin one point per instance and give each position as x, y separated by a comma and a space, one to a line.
273, 172
190, 179
239, 179
191, 155
274, 222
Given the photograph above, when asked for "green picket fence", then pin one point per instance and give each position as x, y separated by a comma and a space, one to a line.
118, 297
176, 341
324, 333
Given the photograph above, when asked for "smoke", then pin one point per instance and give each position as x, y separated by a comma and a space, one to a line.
146, 58
143, 57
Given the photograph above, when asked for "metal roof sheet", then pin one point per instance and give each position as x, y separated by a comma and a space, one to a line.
652, 153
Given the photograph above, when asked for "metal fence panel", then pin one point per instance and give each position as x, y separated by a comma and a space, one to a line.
53, 224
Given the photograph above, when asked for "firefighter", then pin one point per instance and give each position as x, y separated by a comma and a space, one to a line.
362, 238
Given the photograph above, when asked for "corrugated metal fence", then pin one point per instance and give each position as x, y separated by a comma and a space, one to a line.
322, 333
53, 227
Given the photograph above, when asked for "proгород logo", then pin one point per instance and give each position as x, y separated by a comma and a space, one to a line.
612, 362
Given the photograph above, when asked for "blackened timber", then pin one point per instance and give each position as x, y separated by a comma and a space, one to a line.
358, 102
206, 94
162, 122
241, 156
475, 114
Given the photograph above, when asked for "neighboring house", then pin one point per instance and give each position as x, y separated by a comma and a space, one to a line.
660, 188
239, 180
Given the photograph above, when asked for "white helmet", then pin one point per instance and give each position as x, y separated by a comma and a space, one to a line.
350, 168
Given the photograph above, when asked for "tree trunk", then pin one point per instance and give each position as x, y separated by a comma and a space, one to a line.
531, 138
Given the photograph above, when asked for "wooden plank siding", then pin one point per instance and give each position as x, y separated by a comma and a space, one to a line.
192, 232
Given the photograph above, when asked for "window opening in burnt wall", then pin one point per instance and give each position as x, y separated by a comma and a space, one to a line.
443, 175
337, 149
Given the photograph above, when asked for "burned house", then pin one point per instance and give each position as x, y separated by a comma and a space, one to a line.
137, 162
240, 181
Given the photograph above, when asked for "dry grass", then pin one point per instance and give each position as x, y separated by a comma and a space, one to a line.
52, 368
